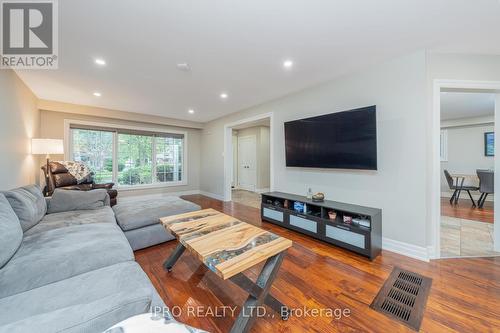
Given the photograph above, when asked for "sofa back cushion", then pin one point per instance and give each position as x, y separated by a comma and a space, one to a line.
28, 204
11, 233
68, 200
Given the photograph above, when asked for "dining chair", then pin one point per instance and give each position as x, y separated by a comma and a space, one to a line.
486, 185
458, 188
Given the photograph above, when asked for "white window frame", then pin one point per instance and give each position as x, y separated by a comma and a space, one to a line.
68, 146
443, 148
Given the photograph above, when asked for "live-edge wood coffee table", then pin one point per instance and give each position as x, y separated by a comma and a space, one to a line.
227, 247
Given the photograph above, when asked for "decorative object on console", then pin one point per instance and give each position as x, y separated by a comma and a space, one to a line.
318, 197
298, 206
58, 176
47, 147
332, 215
347, 219
309, 194
361, 221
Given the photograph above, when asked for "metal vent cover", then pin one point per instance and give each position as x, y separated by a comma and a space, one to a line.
403, 297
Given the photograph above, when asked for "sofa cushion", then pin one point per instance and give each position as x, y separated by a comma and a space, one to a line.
90, 302
58, 254
74, 217
11, 233
147, 236
133, 214
28, 203
67, 200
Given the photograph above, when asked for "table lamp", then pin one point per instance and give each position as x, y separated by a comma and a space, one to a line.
47, 147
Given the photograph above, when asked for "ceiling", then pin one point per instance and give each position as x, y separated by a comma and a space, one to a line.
456, 105
238, 47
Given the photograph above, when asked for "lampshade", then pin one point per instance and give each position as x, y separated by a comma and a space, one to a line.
47, 146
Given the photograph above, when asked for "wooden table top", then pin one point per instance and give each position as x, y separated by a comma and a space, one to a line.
226, 245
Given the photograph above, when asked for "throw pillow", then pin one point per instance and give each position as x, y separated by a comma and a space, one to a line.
11, 233
28, 203
68, 200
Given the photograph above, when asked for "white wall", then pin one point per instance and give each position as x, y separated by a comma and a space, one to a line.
466, 153
19, 122
398, 88
261, 134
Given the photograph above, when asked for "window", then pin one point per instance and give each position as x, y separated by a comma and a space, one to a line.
129, 157
94, 148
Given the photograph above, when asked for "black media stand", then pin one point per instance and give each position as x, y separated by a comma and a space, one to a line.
328, 221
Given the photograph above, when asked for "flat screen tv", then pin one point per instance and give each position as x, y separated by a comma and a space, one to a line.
341, 140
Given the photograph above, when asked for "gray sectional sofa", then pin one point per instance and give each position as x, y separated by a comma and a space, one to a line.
67, 271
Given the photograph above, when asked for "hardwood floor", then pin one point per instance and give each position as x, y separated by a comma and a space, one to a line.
464, 297
464, 210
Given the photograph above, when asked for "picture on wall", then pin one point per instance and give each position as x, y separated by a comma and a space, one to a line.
489, 144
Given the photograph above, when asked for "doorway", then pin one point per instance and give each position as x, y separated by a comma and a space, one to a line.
248, 160
466, 115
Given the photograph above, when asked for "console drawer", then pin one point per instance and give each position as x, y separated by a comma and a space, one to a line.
303, 223
273, 214
346, 236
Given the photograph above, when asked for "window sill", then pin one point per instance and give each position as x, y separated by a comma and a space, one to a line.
149, 186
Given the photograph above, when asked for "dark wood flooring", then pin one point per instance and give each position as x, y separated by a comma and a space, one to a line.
465, 294
464, 210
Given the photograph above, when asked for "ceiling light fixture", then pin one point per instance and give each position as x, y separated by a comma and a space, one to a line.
97, 94
224, 95
288, 64
191, 111
100, 62
184, 67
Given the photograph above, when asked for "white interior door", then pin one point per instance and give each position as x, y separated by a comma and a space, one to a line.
247, 166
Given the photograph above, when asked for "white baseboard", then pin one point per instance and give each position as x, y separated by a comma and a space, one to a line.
406, 249
262, 190
212, 195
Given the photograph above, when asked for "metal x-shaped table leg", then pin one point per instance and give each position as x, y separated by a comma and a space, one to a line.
259, 294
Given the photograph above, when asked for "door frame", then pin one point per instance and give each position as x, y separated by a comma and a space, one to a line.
434, 199
254, 137
228, 150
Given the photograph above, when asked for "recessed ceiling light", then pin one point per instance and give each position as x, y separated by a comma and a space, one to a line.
100, 62
97, 94
191, 111
288, 64
183, 66
224, 95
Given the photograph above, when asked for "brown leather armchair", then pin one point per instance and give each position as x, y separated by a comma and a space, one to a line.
59, 177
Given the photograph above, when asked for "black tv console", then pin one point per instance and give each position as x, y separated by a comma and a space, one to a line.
363, 235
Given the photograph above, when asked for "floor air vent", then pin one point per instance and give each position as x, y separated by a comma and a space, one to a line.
403, 297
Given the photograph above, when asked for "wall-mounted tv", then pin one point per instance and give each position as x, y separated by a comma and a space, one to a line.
341, 140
